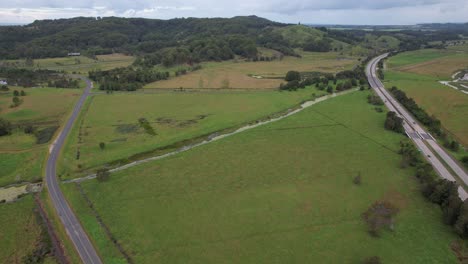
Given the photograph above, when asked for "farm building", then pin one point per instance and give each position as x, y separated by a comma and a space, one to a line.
74, 54
3, 82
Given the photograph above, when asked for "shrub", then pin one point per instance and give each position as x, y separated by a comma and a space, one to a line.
102, 175
358, 179
379, 216
372, 260
102, 145
394, 123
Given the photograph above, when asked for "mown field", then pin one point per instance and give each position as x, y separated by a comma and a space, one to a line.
418, 72
20, 231
21, 158
241, 74
281, 193
114, 120
79, 64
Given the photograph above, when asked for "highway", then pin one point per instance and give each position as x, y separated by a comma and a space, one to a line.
69, 220
423, 140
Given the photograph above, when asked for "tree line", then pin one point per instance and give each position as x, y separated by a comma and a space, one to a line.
437, 190
431, 122
127, 78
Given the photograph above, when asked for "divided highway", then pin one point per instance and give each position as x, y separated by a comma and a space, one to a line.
416, 132
69, 220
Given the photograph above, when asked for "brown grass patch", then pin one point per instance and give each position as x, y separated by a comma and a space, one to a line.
232, 74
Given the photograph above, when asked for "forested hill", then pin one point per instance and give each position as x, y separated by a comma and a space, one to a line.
191, 40
55, 38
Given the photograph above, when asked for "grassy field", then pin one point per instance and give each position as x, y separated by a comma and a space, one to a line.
439, 64
281, 193
20, 231
39, 104
80, 64
415, 73
113, 119
21, 158
238, 74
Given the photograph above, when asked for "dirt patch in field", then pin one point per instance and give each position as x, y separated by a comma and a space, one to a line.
11, 194
127, 128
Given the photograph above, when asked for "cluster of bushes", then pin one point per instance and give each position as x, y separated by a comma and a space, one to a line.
431, 122
45, 135
379, 216
185, 71
374, 100
127, 79
320, 45
464, 160
296, 80
5, 127
394, 123
26, 77
202, 49
4, 88
267, 58
63, 82
438, 191
16, 100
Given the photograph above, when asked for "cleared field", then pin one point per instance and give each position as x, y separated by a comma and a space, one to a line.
447, 104
80, 64
21, 158
232, 74
282, 193
114, 120
436, 63
20, 231
39, 104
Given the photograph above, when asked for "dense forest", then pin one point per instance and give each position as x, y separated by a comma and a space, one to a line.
191, 40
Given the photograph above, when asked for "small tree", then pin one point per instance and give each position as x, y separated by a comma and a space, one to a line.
15, 101
16, 93
454, 146
330, 89
22, 93
293, 76
102, 145
102, 175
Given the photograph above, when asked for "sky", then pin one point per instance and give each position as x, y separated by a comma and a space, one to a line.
351, 12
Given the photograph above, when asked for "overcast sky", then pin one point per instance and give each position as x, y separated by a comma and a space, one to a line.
378, 12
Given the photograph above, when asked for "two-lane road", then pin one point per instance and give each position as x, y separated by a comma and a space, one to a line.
416, 132
70, 222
